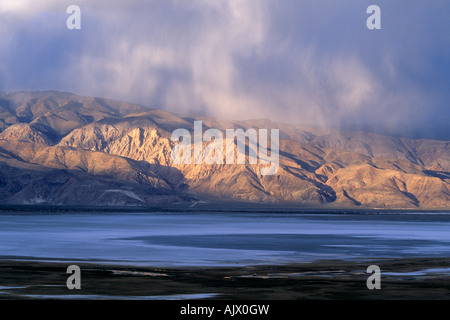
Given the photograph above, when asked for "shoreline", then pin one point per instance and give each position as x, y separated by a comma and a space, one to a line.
214, 206
404, 279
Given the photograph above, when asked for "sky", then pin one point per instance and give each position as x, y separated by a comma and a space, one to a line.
310, 62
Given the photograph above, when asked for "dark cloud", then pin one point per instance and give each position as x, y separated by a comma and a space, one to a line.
304, 61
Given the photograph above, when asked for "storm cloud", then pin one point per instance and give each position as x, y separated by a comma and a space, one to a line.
311, 62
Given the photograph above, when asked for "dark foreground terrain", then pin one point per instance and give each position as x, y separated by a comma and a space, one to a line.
319, 280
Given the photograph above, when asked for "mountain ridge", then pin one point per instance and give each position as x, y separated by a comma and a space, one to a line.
126, 148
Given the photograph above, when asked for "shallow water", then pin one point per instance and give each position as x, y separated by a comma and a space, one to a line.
108, 297
201, 239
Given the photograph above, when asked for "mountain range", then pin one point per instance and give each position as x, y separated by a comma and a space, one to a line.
58, 148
